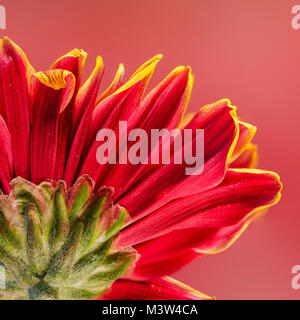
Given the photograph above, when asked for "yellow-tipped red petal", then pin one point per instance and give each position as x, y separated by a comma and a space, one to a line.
84, 106
206, 223
74, 62
159, 289
88, 92
169, 99
15, 72
144, 73
144, 66
241, 192
117, 82
51, 92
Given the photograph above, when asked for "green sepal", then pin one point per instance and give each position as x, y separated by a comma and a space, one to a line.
90, 262
90, 215
37, 249
64, 260
59, 229
79, 194
112, 268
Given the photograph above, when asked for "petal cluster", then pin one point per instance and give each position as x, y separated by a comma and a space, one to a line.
48, 126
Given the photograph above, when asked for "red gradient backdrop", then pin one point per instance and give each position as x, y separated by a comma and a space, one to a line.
245, 50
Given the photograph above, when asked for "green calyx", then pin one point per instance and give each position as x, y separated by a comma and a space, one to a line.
58, 244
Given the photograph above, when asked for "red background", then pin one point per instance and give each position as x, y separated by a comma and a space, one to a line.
245, 50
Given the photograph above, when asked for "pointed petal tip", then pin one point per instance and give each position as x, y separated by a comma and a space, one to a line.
159, 56
6, 41
189, 291
121, 70
99, 61
151, 62
143, 73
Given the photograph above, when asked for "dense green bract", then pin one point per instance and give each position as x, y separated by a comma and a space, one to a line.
58, 243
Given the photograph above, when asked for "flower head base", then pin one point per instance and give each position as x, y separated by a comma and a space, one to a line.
57, 243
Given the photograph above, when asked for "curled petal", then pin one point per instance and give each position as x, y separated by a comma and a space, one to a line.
74, 62
15, 73
160, 289
51, 92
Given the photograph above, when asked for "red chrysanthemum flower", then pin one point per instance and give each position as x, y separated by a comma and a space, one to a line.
64, 229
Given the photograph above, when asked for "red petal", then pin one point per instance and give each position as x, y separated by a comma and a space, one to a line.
117, 82
160, 289
6, 160
168, 100
51, 93
165, 105
168, 254
83, 109
74, 62
237, 196
14, 88
170, 181
88, 93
